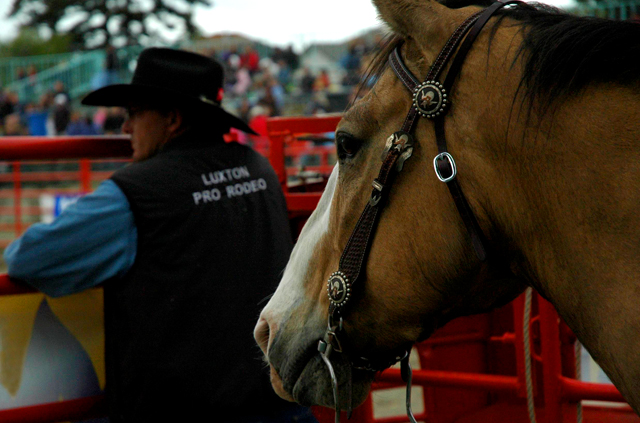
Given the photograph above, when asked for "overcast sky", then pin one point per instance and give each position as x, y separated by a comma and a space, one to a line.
279, 22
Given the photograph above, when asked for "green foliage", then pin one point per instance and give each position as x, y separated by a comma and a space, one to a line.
98, 23
30, 43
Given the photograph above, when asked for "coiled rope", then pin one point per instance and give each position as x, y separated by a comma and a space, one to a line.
527, 355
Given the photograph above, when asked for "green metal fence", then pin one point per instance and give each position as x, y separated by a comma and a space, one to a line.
80, 73
75, 73
619, 10
9, 66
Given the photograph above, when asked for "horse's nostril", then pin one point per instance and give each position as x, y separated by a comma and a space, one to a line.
261, 334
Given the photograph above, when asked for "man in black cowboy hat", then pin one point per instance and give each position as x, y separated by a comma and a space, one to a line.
187, 240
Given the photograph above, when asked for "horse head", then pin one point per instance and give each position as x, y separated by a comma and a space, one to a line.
422, 266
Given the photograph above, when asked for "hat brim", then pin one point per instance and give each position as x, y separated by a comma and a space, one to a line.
122, 95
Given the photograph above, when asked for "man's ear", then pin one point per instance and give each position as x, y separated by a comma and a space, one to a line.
175, 122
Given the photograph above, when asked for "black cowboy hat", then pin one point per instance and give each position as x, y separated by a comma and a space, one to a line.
168, 74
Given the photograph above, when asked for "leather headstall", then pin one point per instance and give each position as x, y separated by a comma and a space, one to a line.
431, 99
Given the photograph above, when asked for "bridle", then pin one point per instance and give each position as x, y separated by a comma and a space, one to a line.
430, 100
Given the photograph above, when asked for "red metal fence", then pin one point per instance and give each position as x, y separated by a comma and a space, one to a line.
37, 166
472, 370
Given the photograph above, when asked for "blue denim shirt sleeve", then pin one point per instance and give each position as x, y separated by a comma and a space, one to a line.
91, 241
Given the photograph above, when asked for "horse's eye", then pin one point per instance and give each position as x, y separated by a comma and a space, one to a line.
347, 145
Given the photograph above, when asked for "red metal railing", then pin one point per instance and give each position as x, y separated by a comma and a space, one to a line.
86, 152
70, 410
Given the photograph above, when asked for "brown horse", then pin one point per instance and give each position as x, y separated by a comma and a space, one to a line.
544, 126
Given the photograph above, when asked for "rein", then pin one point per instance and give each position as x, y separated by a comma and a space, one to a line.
430, 100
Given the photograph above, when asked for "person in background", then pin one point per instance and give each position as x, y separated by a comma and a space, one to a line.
258, 116
187, 241
322, 82
8, 104
113, 121
350, 62
307, 81
250, 60
80, 125
38, 114
13, 126
243, 81
291, 58
111, 65
60, 94
284, 74
61, 113
20, 74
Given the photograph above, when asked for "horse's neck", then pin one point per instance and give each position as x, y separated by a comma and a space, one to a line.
571, 215
599, 298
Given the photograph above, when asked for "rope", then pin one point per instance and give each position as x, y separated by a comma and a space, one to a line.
527, 356
578, 354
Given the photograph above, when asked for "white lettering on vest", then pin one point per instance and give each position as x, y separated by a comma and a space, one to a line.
225, 175
244, 188
207, 196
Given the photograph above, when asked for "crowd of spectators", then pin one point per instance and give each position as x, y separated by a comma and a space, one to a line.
53, 114
280, 84
255, 88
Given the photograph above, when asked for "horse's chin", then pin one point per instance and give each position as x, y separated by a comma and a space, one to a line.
299, 374
276, 383
314, 386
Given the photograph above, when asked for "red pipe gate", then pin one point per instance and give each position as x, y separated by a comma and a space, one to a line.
475, 369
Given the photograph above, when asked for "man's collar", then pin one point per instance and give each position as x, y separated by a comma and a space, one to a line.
192, 138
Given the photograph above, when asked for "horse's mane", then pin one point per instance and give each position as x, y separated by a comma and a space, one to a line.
562, 53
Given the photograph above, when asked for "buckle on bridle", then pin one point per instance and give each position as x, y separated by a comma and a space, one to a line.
440, 159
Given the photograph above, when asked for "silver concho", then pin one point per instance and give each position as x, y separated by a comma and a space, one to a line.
430, 99
404, 143
338, 289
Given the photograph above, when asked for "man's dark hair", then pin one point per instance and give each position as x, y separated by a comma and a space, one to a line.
197, 117
202, 119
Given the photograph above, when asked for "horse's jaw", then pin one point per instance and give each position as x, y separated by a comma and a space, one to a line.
299, 374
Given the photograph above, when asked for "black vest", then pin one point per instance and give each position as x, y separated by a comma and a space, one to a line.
213, 239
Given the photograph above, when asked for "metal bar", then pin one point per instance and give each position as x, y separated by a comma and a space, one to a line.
518, 321
422, 417
505, 338
36, 192
494, 383
47, 148
324, 170
575, 390
18, 209
72, 410
85, 175
303, 125
17, 199
48, 176
276, 157
456, 339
